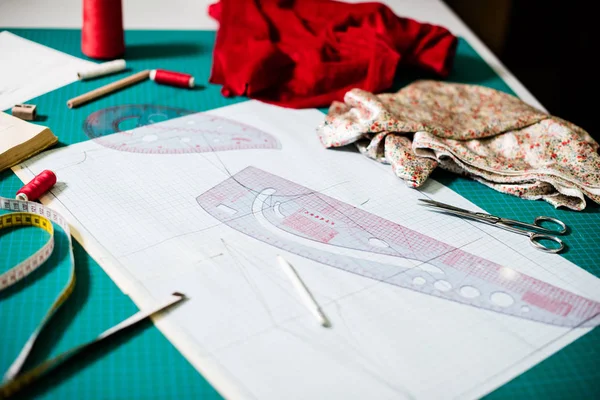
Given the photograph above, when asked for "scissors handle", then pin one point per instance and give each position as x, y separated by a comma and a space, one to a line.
534, 239
537, 225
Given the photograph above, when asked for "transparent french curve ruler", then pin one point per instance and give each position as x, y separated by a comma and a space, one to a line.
313, 225
177, 133
25, 213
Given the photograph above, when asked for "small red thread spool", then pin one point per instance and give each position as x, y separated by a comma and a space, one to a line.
37, 187
172, 78
102, 36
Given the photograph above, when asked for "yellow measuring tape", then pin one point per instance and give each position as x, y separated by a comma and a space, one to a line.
28, 213
17, 273
25, 213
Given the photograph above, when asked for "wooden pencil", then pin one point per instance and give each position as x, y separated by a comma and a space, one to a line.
111, 87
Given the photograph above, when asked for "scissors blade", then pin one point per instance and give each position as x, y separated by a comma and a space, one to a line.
444, 206
490, 219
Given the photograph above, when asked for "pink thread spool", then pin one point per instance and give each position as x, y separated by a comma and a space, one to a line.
37, 187
172, 78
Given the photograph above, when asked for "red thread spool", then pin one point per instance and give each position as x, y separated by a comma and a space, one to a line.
172, 78
37, 187
102, 36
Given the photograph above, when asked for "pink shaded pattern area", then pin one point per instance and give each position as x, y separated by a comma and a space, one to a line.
310, 225
530, 290
557, 307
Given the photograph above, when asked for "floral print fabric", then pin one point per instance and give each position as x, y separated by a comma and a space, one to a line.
491, 136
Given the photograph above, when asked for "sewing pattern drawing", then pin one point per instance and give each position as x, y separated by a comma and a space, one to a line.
321, 228
154, 129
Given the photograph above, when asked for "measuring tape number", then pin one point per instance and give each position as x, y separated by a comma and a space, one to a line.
26, 267
27, 213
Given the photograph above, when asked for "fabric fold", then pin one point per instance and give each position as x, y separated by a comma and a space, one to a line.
491, 136
309, 53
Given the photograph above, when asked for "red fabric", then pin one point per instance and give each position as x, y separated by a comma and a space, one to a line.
307, 53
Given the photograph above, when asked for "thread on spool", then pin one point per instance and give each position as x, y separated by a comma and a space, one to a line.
37, 187
102, 36
172, 78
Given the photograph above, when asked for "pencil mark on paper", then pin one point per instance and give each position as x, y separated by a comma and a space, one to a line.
294, 218
252, 284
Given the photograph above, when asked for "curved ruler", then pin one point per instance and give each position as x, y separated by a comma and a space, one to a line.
128, 116
164, 130
26, 213
318, 227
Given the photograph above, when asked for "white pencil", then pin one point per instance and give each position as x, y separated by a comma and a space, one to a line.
303, 291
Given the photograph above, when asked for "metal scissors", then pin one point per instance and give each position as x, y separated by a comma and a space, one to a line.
534, 231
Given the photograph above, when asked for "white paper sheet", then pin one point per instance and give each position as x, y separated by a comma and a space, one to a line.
141, 204
29, 69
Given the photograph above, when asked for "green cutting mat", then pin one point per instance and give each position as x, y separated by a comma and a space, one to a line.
142, 364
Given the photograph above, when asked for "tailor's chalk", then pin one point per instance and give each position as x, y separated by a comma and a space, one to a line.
103, 69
